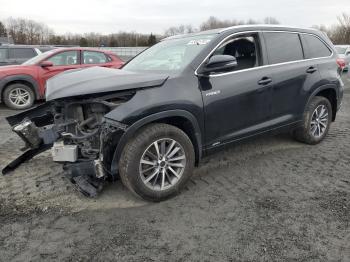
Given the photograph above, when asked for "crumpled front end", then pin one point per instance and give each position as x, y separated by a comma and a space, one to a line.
76, 132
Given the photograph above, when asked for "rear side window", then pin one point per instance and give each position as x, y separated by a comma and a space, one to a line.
314, 47
283, 47
22, 53
3, 54
92, 57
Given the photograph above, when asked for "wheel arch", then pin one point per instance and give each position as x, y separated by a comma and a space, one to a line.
19, 79
329, 92
182, 119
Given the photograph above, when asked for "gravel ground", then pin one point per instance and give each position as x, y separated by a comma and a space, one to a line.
269, 199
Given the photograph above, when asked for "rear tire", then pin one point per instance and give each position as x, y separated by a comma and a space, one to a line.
19, 96
157, 162
316, 121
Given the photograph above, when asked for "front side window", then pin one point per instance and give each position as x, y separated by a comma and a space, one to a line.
21, 53
171, 55
283, 47
314, 47
245, 48
92, 57
3, 54
64, 58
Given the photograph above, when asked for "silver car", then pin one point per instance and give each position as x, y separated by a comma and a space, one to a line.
344, 53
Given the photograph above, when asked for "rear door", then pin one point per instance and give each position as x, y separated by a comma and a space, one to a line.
95, 58
293, 76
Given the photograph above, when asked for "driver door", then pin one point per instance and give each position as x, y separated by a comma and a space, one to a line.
62, 61
237, 103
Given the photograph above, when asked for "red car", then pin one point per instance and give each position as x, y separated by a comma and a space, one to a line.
21, 85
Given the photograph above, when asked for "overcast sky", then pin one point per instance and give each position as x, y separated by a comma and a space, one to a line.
146, 16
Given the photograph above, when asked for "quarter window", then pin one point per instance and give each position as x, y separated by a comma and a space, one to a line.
283, 47
314, 47
65, 58
92, 57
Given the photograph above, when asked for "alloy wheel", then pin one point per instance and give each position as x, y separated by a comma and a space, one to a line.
19, 97
319, 121
162, 164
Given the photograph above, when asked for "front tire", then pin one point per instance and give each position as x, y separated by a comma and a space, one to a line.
316, 121
157, 162
19, 96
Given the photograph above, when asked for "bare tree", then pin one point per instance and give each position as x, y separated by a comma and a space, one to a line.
271, 21
179, 30
343, 30
339, 33
25, 31
3, 31
213, 23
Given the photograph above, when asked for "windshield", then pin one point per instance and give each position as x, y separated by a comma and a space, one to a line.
38, 58
340, 50
170, 55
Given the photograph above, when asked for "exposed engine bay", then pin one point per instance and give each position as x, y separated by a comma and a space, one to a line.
77, 133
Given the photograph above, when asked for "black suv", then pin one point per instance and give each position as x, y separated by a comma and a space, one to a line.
151, 122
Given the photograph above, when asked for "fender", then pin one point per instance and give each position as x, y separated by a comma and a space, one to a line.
7, 79
321, 88
131, 130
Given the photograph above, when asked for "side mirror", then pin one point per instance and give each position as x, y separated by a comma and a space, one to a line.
46, 64
219, 63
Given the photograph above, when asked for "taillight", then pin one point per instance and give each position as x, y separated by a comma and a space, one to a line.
341, 63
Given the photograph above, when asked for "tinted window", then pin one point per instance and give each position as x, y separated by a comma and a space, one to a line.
3, 55
314, 47
283, 47
22, 53
91, 57
65, 58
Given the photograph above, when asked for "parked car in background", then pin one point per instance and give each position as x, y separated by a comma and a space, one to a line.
344, 53
153, 120
21, 85
16, 54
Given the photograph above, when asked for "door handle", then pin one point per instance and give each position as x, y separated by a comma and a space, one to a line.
311, 70
265, 81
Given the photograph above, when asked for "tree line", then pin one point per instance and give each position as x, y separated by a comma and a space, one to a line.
30, 32
339, 33
27, 31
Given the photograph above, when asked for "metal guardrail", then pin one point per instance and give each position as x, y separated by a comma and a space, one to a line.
125, 53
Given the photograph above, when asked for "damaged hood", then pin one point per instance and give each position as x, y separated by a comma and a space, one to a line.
95, 80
